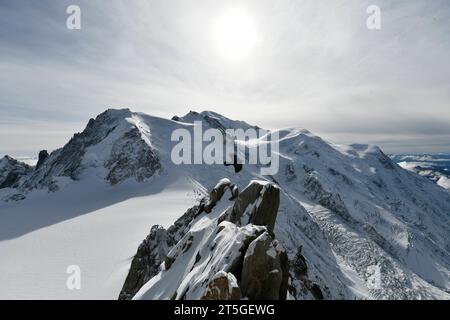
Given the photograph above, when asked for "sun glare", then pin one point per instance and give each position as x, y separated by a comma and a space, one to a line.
235, 34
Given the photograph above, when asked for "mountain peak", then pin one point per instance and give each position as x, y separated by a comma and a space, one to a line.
116, 112
214, 120
112, 115
112, 143
5, 159
8, 160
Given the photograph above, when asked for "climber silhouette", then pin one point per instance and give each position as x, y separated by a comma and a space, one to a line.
237, 166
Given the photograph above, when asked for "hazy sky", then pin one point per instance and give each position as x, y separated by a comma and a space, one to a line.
311, 64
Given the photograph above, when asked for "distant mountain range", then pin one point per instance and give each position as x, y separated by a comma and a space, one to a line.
350, 222
434, 166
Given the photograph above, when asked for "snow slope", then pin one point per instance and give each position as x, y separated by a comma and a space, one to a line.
93, 226
368, 228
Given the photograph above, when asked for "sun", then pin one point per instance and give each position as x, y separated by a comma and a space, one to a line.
235, 34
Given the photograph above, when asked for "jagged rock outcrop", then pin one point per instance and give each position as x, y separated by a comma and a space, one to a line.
223, 286
145, 264
11, 171
331, 201
217, 192
298, 264
250, 207
43, 155
218, 257
265, 271
130, 157
152, 252
300, 279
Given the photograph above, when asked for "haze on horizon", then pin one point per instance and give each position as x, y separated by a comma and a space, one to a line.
287, 63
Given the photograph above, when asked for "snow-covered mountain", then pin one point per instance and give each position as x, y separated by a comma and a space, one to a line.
358, 224
11, 171
115, 145
435, 167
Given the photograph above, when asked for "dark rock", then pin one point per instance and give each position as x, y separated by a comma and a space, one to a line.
329, 200
290, 172
223, 287
257, 204
10, 180
316, 292
12, 171
43, 155
267, 210
132, 157
152, 252
299, 263
284, 263
168, 261
386, 161
15, 197
265, 270
301, 286
235, 266
146, 262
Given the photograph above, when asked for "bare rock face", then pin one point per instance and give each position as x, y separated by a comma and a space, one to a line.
223, 286
43, 155
266, 211
146, 262
257, 204
331, 201
299, 265
11, 171
131, 157
265, 270
301, 279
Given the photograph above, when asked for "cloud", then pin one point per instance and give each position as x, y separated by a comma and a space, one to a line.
316, 66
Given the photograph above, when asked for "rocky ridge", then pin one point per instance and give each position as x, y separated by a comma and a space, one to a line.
224, 249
